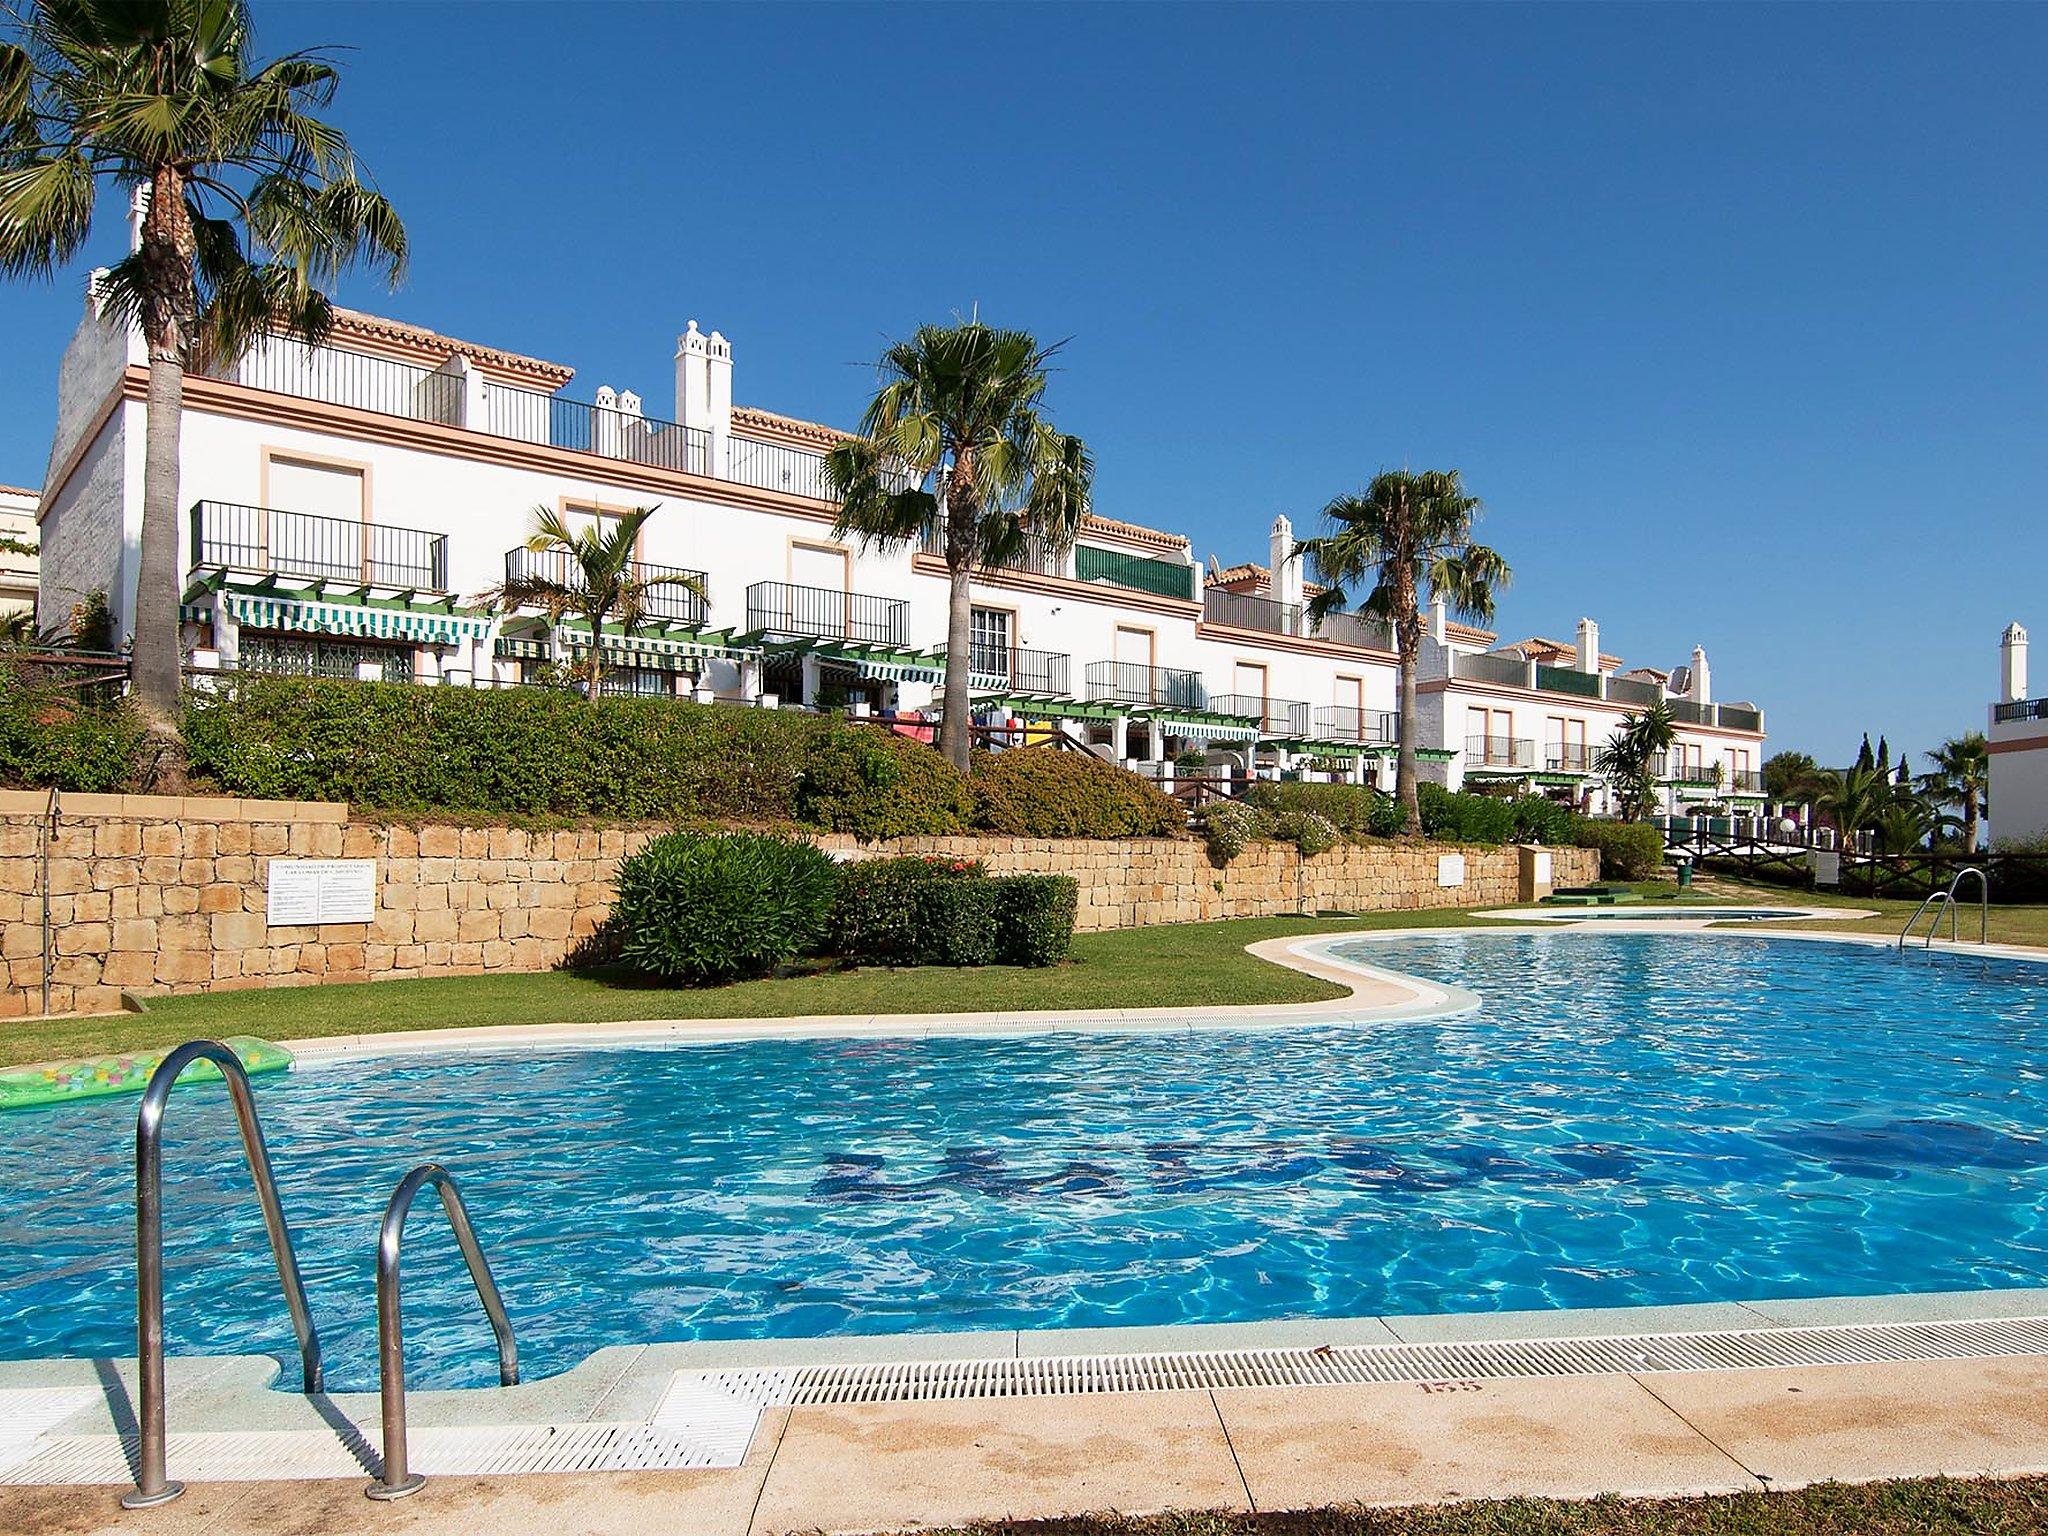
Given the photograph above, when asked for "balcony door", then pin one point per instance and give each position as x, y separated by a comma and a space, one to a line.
989, 642
820, 576
316, 522
1134, 652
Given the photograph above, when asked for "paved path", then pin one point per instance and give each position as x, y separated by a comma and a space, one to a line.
892, 1466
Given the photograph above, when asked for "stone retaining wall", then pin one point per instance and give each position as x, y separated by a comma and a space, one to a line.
153, 894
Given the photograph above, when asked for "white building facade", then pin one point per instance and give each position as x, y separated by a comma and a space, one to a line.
2018, 741
346, 508
17, 570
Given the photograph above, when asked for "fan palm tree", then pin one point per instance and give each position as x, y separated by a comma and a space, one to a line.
253, 205
1629, 760
1853, 798
1410, 536
1908, 823
1961, 775
954, 448
593, 578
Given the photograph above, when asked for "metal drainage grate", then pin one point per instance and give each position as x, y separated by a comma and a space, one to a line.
1350, 1364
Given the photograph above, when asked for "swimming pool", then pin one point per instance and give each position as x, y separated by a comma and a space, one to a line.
1628, 1118
1625, 913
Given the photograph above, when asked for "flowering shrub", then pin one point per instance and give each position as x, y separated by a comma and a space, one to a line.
1309, 831
1231, 826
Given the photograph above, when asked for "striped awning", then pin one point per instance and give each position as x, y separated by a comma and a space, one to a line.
876, 663
355, 620
650, 647
1198, 725
1047, 709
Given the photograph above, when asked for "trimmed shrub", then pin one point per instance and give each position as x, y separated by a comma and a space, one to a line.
1540, 820
1629, 850
1048, 792
1231, 826
956, 921
50, 739
702, 908
1353, 809
875, 784
1464, 818
1035, 918
1310, 832
875, 920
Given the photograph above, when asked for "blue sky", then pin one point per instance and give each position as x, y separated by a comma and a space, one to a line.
1734, 317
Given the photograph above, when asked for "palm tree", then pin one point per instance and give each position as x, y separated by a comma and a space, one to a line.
593, 578
1852, 799
1410, 533
959, 411
1908, 823
1629, 760
1961, 775
253, 206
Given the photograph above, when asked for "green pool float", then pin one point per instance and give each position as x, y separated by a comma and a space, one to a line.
60, 1082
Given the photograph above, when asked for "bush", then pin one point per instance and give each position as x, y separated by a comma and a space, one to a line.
1035, 918
702, 908
1231, 826
1310, 831
1353, 809
875, 784
1540, 820
1050, 792
875, 919
1629, 850
49, 739
1465, 818
956, 922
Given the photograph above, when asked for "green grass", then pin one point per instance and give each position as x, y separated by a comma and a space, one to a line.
1935, 1506
1175, 965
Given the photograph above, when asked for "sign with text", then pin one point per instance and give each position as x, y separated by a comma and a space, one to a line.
308, 891
1450, 869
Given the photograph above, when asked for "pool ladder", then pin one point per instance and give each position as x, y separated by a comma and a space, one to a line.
152, 1486
1945, 901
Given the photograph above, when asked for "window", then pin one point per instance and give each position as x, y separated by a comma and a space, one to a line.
1249, 678
989, 642
310, 656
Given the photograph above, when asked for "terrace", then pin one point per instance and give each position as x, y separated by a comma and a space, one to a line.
1285, 719
662, 602
1500, 752
265, 541
781, 608
1123, 682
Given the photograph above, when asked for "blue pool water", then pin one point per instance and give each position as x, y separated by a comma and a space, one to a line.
1629, 1118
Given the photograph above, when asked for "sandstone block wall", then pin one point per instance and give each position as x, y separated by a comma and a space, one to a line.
155, 894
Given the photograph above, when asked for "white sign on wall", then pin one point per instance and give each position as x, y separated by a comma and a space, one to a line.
1543, 868
1450, 869
307, 891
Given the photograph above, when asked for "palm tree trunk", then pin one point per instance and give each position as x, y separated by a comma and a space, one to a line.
955, 699
593, 679
1404, 752
1970, 820
155, 665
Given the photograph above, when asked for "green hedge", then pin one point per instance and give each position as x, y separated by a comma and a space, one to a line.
935, 911
1353, 809
876, 784
49, 739
875, 918
1048, 792
1629, 850
704, 908
1035, 918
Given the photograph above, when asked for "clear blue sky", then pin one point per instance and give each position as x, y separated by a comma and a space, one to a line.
1734, 317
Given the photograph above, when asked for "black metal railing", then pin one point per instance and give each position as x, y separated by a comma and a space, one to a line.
1115, 568
1568, 680
1746, 780
230, 536
1681, 770
1343, 722
1569, 757
2020, 709
353, 379
1489, 668
1500, 752
1034, 554
1242, 610
1127, 682
1355, 629
1022, 670
777, 467
667, 601
1276, 717
777, 607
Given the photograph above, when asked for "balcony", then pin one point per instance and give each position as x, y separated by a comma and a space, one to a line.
1017, 670
1033, 555
1738, 717
1499, 752
778, 608
1135, 573
1369, 727
1243, 611
1284, 718
1632, 693
1569, 757
665, 602
1690, 712
777, 467
1678, 770
233, 537
2019, 709
1585, 685
1355, 629
1124, 682
1745, 781
1510, 671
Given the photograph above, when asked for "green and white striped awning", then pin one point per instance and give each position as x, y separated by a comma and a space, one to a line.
1198, 725
651, 647
877, 663
356, 620
1047, 709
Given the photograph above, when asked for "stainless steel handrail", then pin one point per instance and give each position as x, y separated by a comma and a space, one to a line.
398, 1478
151, 1486
1983, 904
1932, 897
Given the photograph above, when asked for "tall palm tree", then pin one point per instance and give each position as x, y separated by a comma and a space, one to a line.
1410, 535
254, 206
1628, 762
1853, 798
593, 578
954, 448
1961, 775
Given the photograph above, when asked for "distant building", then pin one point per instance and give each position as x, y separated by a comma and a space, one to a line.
2019, 746
17, 571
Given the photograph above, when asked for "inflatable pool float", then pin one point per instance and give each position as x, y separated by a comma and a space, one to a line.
60, 1082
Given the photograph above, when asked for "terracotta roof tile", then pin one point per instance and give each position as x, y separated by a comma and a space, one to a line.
355, 325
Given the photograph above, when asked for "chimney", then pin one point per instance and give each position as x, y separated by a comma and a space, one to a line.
1589, 647
1702, 687
1439, 621
2012, 664
1286, 583
704, 391
138, 210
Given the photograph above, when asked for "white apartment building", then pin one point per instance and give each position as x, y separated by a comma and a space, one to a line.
17, 571
347, 506
2018, 740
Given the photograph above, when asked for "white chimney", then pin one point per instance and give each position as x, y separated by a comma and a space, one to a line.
1439, 621
1702, 686
1589, 647
1286, 583
138, 210
2012, 663
704, 391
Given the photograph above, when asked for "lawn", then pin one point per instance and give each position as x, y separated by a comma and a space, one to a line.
1175, 965
2009, 925
1912, 1507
